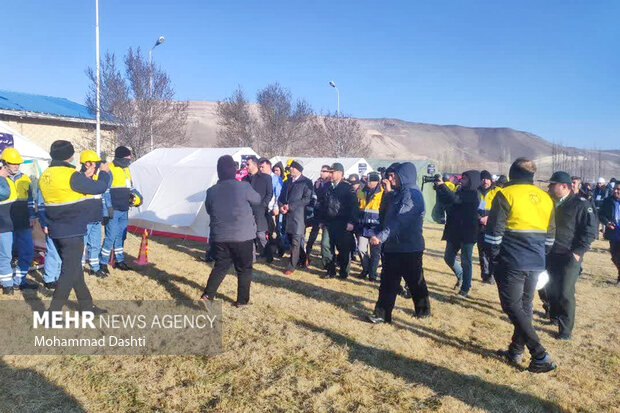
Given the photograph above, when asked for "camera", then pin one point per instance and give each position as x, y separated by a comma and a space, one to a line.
430, 179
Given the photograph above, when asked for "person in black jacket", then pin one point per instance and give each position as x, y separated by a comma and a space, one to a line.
320, 186
462, 226
230, 206
341, 211
294, 198
609, 216
575, 229
262, 184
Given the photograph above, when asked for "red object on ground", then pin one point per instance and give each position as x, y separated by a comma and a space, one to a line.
143, 254
138, 230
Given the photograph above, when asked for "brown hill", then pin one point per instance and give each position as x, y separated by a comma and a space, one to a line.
450, 145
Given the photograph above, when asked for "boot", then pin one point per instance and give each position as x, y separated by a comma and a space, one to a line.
377, 317
122, 266
8, 290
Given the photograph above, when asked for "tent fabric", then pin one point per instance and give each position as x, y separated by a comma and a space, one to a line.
422, 166
312, 166
26, 148
173, 183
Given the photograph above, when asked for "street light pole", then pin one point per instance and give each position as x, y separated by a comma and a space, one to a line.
332, 84
159, 41
98, 133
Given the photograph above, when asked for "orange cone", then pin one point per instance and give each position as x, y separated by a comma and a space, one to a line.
112, 260
143, 255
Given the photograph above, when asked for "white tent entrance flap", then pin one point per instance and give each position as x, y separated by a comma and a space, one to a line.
173, 182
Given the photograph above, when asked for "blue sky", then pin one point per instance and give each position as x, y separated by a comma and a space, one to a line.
547, 67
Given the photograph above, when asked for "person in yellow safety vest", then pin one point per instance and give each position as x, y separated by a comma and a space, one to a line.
16, 220
520, 231
448, 183
122, 196
66, 193
487, 193
92, 241
369, 198
287, 171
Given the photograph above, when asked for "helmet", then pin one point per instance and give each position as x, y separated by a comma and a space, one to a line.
601, 180
10, 155
89, 156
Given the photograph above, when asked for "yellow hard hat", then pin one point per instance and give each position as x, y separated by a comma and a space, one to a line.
89, 156
10, 155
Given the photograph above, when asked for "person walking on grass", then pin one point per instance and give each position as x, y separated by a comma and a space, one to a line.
520, 230
610, 219
403, 246
230, 204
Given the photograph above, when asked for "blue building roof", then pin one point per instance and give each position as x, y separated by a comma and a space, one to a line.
45, 105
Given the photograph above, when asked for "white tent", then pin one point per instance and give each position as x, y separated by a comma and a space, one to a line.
36, 159
312, 166
173, 182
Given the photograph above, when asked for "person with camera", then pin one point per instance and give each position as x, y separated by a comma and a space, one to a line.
575, 229
66, 194
16, 221
609, 216
403, 245
340, 211
122, 196
295, 196
462, 226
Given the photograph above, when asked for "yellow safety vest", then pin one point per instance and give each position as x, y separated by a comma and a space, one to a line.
530, 208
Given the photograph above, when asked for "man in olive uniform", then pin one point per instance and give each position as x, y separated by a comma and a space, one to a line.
575, 229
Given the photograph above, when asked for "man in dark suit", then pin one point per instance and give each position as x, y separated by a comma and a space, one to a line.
262, 184
294, 197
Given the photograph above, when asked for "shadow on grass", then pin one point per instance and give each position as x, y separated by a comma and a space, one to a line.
471, 390
25, 390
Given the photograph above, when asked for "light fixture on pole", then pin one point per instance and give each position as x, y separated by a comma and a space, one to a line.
332, 84
159, 41
98, 128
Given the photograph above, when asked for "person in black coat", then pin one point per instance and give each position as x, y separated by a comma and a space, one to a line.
462, 226
294, 198
261, 183
609, 215
340, 211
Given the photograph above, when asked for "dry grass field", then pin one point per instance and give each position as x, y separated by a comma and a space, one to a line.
303, 346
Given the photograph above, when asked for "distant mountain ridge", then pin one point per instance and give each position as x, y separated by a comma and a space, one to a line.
399, 139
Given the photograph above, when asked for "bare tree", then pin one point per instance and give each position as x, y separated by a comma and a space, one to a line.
235, 121
283, 126
338, 136
139, 111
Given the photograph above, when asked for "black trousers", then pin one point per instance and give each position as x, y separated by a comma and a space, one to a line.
560, 290
407, 265
486, 269
342, 240
297, 250
239, 254
71, 275
614, 247
516, 293
314, 233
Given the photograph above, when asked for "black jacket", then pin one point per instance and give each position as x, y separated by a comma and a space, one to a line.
262, 184
349, 207
462, 225
229, 204
575, 226
297, 194
607, 214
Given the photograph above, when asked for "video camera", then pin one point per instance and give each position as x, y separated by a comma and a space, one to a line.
430, 179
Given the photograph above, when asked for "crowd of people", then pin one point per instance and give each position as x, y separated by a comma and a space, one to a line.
72, 207
528, 239
525, 235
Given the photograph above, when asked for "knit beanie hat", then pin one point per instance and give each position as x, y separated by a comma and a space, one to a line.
484, 174
121, 152
226, 168
61, 150
297, 166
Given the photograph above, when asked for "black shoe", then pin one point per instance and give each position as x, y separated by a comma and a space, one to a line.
96, 310
377, 317
51, 286
542, 365
488, 281
423, 315
373, 279
238, 304
343, 276
90, 271
27, 286
327, 276
406, 293
563, 336
103, 272
458, 284
362, 275
8, 290
512, 358
205, 297
462, 294
122, 266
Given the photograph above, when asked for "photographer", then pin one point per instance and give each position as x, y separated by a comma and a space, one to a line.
462, 226
439, 210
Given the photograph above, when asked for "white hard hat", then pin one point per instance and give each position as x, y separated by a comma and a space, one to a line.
601, 180
495, 177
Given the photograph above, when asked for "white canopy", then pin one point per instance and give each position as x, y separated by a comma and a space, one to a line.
312, 166
36, 159
173, 182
